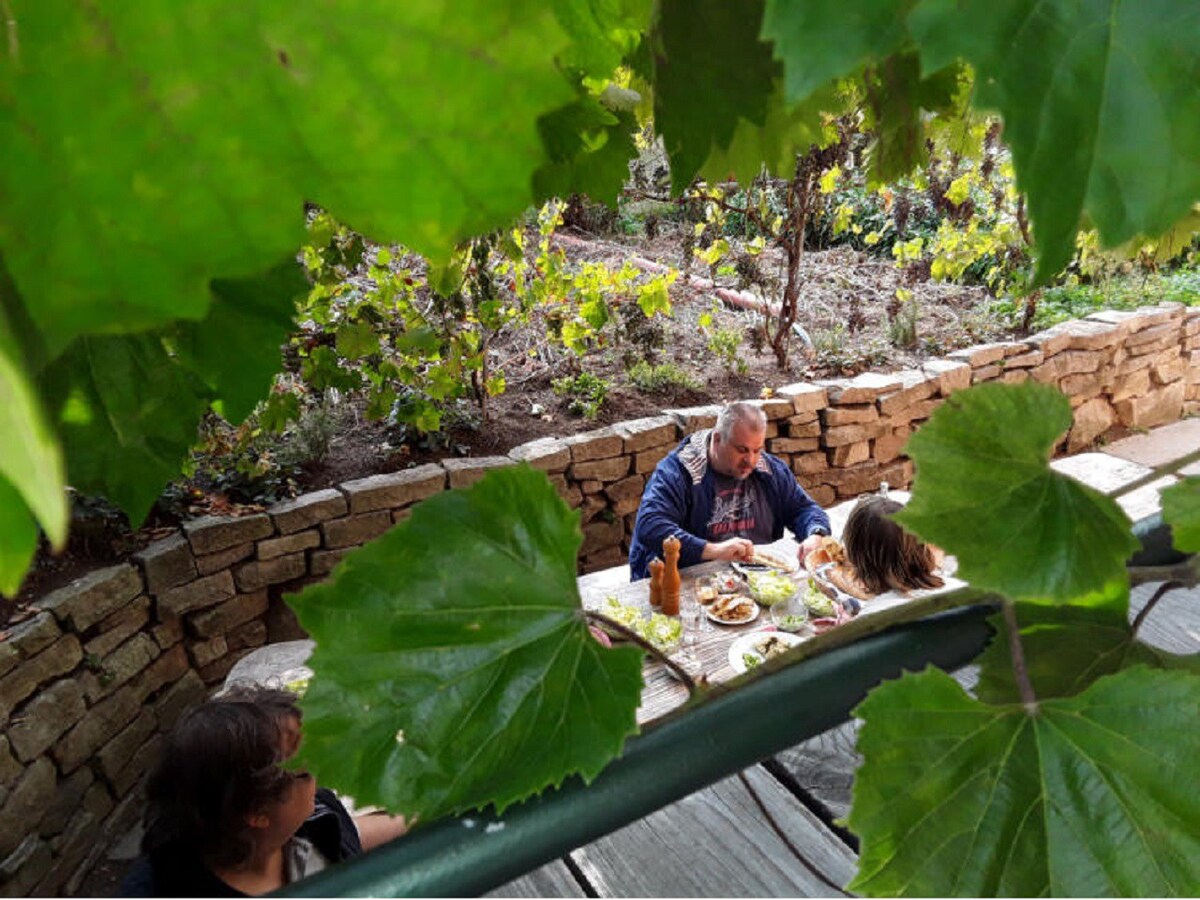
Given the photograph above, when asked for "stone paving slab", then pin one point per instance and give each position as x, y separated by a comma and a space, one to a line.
1161, 446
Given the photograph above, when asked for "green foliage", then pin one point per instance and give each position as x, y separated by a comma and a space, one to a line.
1112, 135
526, 698
1085, 796
661, 378
586, 392
725, 344
1016, 526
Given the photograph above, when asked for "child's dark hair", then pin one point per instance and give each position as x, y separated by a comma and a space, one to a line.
884, 555
219, 765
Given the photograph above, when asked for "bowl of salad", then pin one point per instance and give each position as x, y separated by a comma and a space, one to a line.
770, 588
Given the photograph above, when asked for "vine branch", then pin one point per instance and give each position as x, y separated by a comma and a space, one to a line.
775, 826
1020, 671
595, 618
1159, 472
1162, 591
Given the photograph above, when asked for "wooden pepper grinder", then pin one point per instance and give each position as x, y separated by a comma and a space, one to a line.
656, 576
670, 577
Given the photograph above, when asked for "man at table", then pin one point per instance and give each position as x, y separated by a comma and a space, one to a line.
720, 493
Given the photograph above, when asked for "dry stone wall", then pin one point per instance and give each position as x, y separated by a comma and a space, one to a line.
91, 680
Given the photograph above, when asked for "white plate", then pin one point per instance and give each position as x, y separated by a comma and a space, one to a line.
750, 618
745, 644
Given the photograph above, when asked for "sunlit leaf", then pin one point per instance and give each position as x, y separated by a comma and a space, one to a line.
184, 143
18, 538
984, 491
31, 459
440, 686
1096, 795
1181, 510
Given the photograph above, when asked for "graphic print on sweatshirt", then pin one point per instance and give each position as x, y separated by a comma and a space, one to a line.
739, 510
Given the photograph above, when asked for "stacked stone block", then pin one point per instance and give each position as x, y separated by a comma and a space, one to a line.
90, 681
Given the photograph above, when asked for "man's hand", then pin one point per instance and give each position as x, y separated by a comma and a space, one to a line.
728, 551
808, 545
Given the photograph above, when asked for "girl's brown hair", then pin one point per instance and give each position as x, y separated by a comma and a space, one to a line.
885, 556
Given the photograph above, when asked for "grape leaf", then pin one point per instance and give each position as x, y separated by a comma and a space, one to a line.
235, 349
602, 32
128, 417
787, 129
1066, 649
453, 668
1096, 795
984, 492
710, 70
1181, 510
183, 146
825, 40
1099, 105
897, 96
18, 539
589, 148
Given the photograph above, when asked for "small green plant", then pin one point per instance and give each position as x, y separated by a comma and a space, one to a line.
726, 345
902, 319
587, 393
660, 378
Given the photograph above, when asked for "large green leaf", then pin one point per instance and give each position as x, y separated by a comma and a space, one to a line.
453, 668
985, 492
602, 32
1181, 510
1066, 649
788, 129
589, 147
128, 415
184, 141
827, 39
1099, 104
235, 350
1095, 795
710, 71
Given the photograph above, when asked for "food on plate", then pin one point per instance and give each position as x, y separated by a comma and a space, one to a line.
773, 560
829, 551
750, 660
727, 583
815, 600
771, 645
706, 591
732, 608
661, 631
769, 588
791, 623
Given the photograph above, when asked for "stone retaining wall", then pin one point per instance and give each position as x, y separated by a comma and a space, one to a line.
104, 666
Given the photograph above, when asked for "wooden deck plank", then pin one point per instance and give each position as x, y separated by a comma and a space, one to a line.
1174, 624
716, 843
552, 880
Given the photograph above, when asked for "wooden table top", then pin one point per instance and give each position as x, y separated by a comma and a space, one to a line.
663, 691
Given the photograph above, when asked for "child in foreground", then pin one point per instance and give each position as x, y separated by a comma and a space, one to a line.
225, 819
